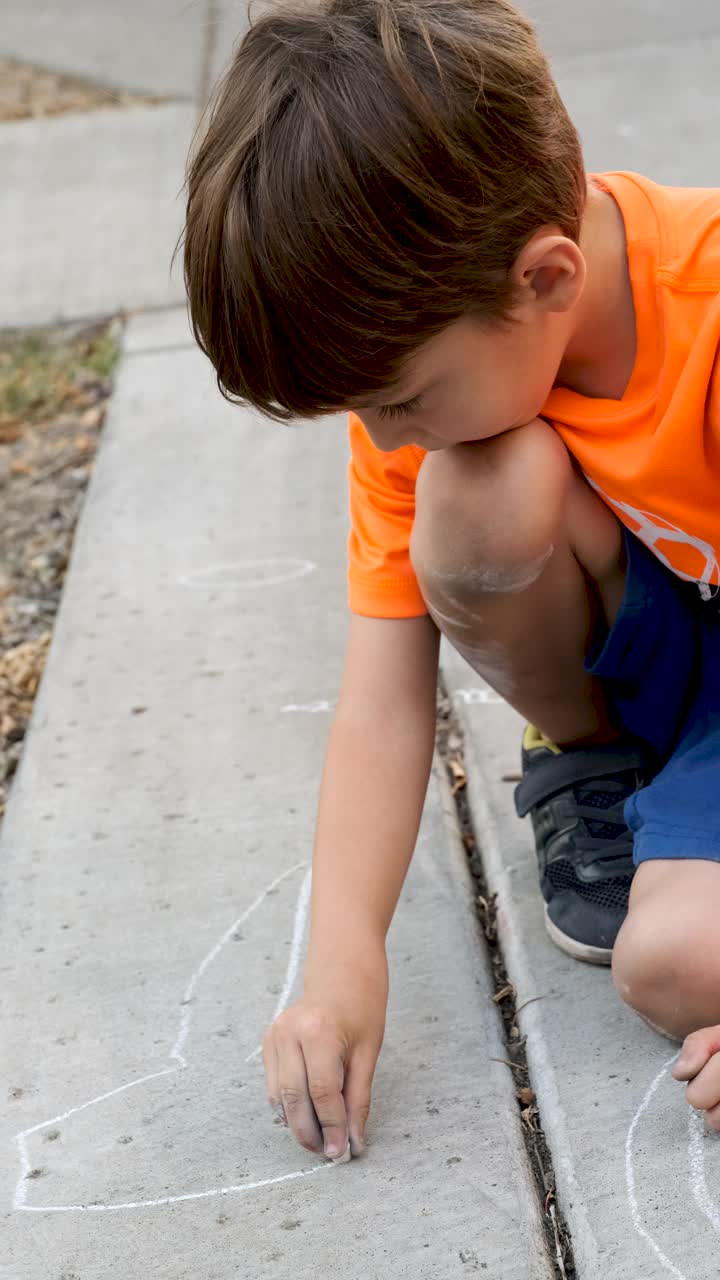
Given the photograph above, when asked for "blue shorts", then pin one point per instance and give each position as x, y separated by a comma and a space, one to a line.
660, 667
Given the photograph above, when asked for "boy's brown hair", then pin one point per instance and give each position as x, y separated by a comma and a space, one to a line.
370, 171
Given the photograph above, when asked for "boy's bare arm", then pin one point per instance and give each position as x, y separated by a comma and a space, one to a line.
320, 1055
374, 784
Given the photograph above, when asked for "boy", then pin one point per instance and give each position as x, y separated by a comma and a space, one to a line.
389, 214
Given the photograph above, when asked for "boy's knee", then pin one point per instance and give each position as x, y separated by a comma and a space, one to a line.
487, 512
667, 970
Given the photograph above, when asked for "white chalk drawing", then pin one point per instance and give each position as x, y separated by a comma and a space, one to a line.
695, 1175
180, 1064
477, 697
248, 574
312, 708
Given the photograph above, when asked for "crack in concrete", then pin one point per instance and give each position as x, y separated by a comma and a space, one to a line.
450, 748
205, 78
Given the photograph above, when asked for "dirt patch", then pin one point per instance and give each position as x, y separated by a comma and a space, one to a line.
54, 389
27, 91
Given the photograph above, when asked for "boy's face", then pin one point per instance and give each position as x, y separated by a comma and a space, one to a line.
471, 382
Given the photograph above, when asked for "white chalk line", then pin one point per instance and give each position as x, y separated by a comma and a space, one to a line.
166, 1200
477, 697
630, 1175
176, 1053
221, 575
300, 915
698, 1182
295, 954
312, 708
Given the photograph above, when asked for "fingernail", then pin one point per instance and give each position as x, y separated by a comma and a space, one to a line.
333, 1150
357, 1143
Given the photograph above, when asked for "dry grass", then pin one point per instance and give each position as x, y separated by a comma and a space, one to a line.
54, 388
27, 92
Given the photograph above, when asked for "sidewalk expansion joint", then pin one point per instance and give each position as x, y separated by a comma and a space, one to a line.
164, 350
205, 85
450, 749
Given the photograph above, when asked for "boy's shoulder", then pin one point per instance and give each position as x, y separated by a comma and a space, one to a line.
682, 225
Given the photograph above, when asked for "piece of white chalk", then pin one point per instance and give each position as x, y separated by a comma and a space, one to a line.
345, 1158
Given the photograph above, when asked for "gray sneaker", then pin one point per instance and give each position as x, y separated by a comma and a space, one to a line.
575, 799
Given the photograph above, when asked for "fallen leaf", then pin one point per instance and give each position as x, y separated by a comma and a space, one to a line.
458, 774
91, 418
504, 993
10, 428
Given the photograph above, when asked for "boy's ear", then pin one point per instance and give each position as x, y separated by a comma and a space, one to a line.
549, 272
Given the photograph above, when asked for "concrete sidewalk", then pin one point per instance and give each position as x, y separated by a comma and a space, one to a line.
156, 851
90, 209
638, 1177
156, 845
91, 203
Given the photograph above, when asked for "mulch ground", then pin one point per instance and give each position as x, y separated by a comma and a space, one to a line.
54, 389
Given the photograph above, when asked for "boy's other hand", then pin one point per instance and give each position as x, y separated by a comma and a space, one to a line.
699, 1062
320, 1057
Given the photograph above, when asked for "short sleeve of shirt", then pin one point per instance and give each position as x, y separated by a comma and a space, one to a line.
381, 580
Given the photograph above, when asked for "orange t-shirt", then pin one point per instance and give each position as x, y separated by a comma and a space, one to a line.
653, 456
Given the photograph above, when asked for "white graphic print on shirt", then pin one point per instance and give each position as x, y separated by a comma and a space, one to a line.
652, 530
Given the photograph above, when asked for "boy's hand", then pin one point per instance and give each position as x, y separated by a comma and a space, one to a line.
699, 1063
320, 1057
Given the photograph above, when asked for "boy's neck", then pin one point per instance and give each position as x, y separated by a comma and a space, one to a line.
600, 357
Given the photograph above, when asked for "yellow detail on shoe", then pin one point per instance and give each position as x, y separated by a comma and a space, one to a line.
534, 738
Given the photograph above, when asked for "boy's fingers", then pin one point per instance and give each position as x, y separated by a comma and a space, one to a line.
703, 1093
295, 1094
358, 1087
713, 1118
272, 1081
687, 1066
695, 1052
325, 1076
270, 1063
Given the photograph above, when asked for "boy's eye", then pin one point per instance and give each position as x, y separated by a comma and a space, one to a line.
399, 410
